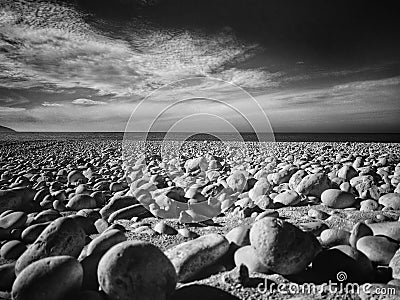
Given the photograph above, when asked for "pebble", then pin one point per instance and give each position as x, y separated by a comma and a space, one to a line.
318, 214
247, 256
389, 229
7, 275
343, 258
333, 237
136, 270
236, 181
379, 249
288, 198
239, 236
105, 241
13, 220
81, 201
116, 204
359, 230
368, 205
282, 247
51, 278
191, 257
12, 249
391, 200
163, 228
62, 237
267, 213
313, 185
337, 198
127, 213
314, 228
186, 233
395, 265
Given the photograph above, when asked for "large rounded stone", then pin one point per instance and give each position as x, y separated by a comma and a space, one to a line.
105, 241
117, 203
62, 237
12, 249
13, 220
333, 237
51, 278
246, 255
136, 270
359, 230
31, 233
379, 249
389, 229
395, 265
281, 246
313, 185
191, 257
7, 275
337, 198
391, 200
288, 198
81, 201
343, 258
236, 181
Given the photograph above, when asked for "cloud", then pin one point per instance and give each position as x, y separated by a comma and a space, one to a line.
6, 109
42, 49
87, 102
49, 104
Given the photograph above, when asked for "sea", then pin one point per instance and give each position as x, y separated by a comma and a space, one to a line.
179, 136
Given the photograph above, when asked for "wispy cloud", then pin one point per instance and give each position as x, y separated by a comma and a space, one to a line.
6, 109
82, 101
49, 104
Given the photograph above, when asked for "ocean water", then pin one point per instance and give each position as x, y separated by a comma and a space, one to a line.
158, 136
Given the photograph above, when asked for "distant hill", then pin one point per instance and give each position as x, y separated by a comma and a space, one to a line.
6, 129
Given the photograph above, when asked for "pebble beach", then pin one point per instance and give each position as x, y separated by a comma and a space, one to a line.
89, 218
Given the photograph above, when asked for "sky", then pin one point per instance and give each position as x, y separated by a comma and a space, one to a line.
212, 65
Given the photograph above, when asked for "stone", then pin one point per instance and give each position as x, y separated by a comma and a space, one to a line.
296, 178
81, 201
51, 278
236, 181
136, 270
191, 257
75, 176
62, 237
31, 233
163, 228
247, 256
105, 241
313, 185
288, 198
389, 229
267, 213
7, 275
13, 220
317, 214
391, 200
239, 236
127, 213
282, 247
116, 204
261, 187
368, 205
343, 258
314, 228
187, 233
12, 249
347, 172
395, 265
337, 198
379, 249
359, 230
333, 237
